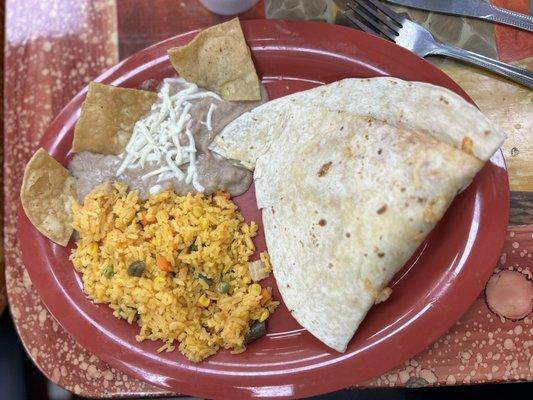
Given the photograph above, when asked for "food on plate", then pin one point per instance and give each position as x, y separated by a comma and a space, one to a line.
261, 268
107, 118
218, 59
169, 147
47, 194
177, 266
156, 141
350, 186
351, 177
418, 106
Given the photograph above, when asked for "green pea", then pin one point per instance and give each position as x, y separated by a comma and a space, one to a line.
223, 287
108, 272
136, 268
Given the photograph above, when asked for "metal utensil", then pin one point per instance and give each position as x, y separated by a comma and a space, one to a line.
374, 17
472, 8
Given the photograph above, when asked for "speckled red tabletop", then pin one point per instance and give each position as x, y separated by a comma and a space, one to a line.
53, 48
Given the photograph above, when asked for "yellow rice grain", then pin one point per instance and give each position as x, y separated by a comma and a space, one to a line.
204, 234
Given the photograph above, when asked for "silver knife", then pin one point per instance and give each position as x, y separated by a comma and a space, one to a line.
472, 8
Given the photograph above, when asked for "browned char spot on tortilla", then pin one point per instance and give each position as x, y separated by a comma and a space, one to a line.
444, 100
382, 209
322, 222
419, 236
313, 239
347, 152
467, 145
379, 253
348, 234
324, 169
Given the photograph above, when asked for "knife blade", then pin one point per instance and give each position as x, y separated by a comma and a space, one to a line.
472, 8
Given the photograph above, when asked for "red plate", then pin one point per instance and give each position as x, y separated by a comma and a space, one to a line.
429, 294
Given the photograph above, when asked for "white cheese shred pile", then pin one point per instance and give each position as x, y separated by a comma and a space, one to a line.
164, 137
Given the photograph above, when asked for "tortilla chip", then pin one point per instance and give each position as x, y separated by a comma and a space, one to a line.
219, 60
108, 116
47, 194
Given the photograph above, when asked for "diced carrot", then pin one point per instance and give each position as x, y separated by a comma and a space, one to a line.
163, 264
143, 218
265, 296
222, 193
183, 273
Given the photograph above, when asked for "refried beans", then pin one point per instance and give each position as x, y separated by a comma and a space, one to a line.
213, 172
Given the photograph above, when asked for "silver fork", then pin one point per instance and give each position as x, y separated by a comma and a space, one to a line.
373, 17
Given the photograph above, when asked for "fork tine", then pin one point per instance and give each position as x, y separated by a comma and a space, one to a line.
387, 11
363, 16
352, 17
388, 27
382, 17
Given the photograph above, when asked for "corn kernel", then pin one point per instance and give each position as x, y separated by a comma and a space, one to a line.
255, 289
159, 281
93, 249
197, 211
204, 301
100, 292
264, 315
204, 223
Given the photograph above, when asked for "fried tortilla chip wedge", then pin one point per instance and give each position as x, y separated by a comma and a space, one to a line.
47, 193
218, 59
108, 116
351, 178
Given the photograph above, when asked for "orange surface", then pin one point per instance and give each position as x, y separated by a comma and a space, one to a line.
513, 44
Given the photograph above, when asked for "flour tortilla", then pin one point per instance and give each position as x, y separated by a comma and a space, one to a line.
346, 201
417, 106
349, 189
108, 116
219, 60
47, 193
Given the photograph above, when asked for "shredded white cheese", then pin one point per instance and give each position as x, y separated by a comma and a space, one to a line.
155, 189
164, 139
209, 119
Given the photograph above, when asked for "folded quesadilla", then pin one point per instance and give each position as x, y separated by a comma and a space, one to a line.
351, 177
419, 106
